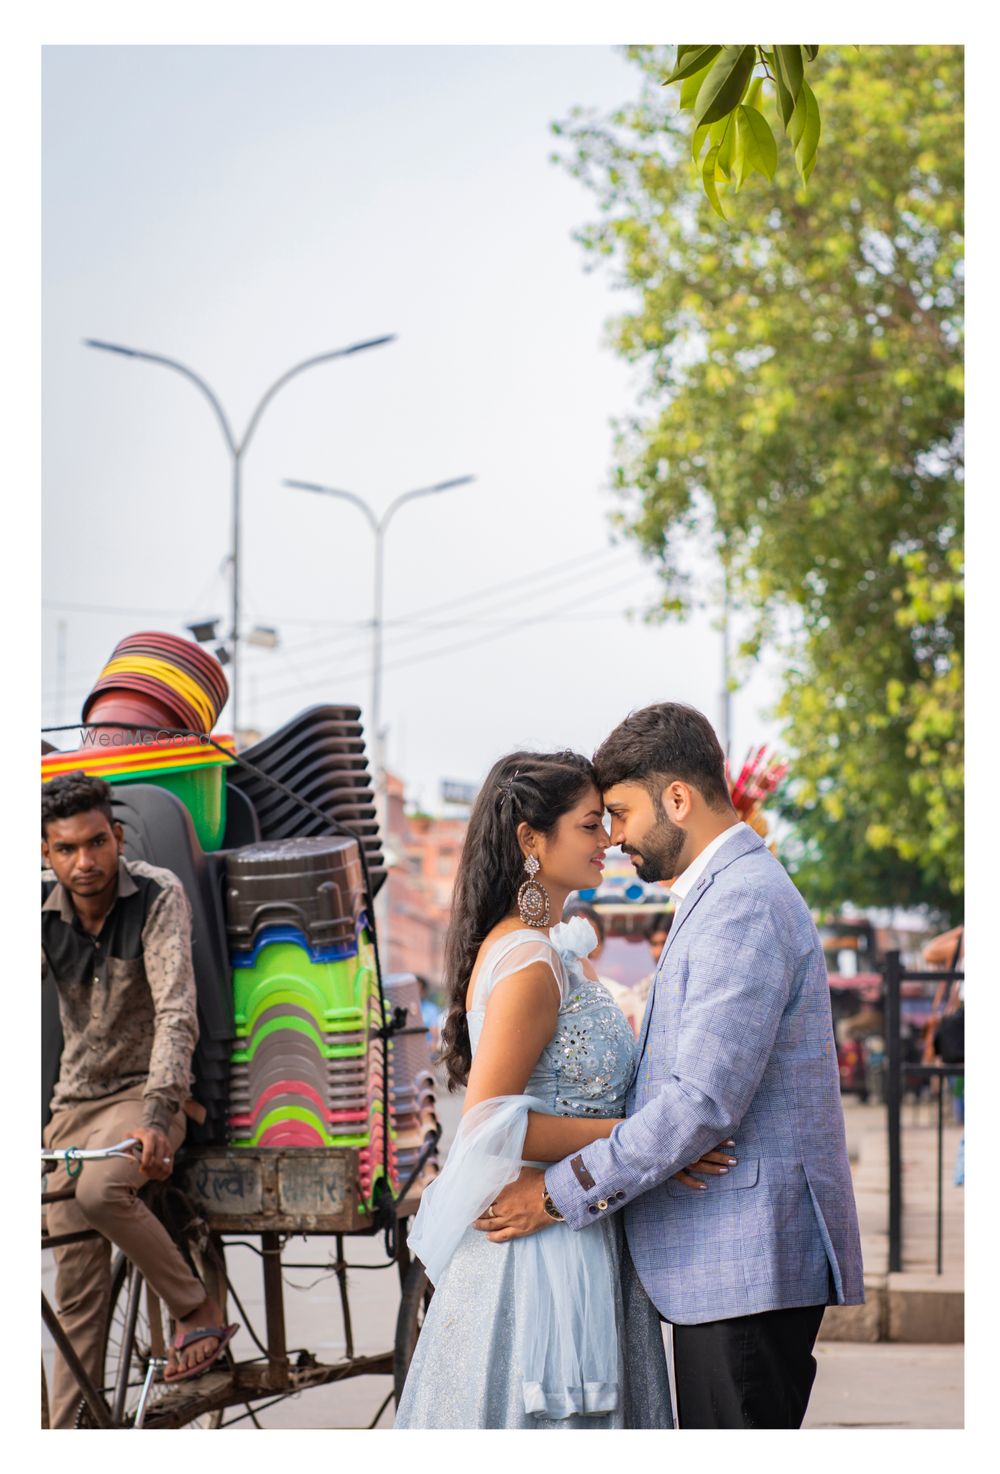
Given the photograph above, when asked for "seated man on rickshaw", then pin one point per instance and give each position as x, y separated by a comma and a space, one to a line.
116, 940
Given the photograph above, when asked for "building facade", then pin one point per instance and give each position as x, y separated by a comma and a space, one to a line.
426, 851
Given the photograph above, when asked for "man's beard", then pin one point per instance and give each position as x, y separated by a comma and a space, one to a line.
660, 850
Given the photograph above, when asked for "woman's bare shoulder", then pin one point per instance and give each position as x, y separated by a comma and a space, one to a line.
509, 927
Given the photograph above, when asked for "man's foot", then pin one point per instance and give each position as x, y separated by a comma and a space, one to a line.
184, 1361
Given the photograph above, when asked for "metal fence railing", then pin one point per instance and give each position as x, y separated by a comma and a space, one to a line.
901, 1073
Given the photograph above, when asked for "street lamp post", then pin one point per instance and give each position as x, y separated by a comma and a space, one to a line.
236, 449
727, 695
378, 527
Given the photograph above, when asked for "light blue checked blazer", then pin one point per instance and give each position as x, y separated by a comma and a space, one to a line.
737, 1040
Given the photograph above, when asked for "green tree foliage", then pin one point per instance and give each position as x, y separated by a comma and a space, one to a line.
802, 402
723, 87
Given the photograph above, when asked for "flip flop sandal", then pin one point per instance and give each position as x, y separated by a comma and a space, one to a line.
224, 1334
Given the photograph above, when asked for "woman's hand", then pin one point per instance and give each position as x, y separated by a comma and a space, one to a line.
517, 1210
712, 1164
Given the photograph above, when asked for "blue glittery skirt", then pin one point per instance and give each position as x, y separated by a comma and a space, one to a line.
465, 1371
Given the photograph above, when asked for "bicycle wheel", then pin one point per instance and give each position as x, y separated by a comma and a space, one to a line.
413, 1304
154, 1328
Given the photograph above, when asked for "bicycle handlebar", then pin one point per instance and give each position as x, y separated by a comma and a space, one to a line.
75, 1156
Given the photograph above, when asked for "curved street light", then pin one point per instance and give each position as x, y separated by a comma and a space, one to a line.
378, 526
236, 450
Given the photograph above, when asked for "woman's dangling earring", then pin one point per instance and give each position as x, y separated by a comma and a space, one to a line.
533, 898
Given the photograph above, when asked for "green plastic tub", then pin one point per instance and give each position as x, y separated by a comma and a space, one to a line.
201, 790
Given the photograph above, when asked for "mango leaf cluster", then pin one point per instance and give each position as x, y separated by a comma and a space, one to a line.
723, 88
801, 404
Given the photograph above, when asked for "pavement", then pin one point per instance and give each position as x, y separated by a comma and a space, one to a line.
887, 1385
869, 1383
917, 1305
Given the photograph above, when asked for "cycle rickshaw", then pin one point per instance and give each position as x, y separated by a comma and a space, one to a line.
267, 1193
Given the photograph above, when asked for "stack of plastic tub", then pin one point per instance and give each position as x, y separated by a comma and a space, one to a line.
413, 1108
320, 756
158, 679
309, 1066
192, 770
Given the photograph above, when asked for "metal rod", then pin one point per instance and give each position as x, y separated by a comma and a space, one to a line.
379, 526
403, 1258
60, 666
57, 1240
236, 449
89, 1393
135, 1283
727, 695
155, 1364
940, 1171
345, 1304
895, 1046
274, 1308
234, 569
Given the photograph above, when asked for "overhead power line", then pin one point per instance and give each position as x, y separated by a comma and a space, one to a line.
494, 603
320, 659
542, 617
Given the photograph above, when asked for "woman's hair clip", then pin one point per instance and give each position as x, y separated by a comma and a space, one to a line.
506, 788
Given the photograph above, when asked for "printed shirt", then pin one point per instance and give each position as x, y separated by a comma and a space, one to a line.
127, 997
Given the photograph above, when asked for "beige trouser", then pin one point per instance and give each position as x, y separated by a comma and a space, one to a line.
106, 1200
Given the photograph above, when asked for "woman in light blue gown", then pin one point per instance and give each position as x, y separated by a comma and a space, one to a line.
553, 1330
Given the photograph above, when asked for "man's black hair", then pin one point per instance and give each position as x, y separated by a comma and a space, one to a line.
659, 744
74, 793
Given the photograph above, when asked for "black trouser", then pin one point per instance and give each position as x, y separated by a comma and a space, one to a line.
754, 1371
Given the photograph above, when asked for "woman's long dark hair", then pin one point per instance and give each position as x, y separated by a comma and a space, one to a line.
534, 788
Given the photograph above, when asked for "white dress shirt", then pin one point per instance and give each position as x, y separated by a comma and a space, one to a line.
683, 883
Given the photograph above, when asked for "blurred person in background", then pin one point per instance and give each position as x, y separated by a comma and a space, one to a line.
430, 1012
631, 998
946, 953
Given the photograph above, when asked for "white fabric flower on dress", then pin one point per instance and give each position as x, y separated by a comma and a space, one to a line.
573, 939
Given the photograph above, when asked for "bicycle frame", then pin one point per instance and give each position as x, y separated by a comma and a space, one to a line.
91, 1394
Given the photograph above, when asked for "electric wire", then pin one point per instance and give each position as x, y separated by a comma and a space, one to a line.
392, 643
481, 639
497, 596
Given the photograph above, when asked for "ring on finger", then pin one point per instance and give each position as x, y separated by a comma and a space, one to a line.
492, 1212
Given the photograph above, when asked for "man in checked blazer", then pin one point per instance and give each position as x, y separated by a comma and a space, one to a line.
737, 1041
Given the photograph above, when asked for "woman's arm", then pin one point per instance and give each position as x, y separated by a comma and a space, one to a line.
520, 1020
550, 1138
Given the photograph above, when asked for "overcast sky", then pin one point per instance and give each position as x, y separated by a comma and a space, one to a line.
242, 208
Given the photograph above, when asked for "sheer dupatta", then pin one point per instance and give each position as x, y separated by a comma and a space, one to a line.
565, 1300
567, 1335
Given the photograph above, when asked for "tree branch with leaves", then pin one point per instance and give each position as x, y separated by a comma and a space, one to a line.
801, 404
723, 88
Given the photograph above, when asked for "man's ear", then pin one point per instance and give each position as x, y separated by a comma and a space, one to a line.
118, 831
675, 801
45, 852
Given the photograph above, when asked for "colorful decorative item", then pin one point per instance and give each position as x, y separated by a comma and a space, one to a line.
759, 777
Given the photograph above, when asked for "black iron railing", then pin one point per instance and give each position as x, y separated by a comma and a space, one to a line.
900, 1074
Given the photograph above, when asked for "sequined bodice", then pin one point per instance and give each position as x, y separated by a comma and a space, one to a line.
586, 1068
